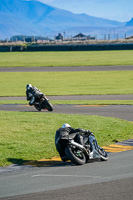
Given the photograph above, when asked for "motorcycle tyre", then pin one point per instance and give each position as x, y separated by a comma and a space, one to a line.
103, 155
48, 105
77, 161
37, 108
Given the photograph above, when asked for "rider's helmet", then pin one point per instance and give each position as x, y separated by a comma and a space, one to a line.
28, 86
65, 125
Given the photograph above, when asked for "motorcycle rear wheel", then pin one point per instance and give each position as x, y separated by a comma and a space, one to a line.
75, 155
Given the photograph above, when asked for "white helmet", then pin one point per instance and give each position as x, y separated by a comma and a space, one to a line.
65, 125
28, 86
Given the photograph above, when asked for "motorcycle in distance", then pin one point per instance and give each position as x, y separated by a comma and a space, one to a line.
79, 154
42, 102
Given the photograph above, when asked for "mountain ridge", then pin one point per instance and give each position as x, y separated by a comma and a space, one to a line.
36, 18
130, 23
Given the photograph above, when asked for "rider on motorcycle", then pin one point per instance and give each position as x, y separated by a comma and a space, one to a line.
67, 129
33, 93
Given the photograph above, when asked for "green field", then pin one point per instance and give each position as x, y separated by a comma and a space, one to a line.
66, 58
67, 83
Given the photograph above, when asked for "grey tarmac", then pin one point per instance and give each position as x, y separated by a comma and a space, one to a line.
62, 68
112, 179
124, 112
119, 111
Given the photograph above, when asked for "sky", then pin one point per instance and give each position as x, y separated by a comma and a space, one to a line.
119, 10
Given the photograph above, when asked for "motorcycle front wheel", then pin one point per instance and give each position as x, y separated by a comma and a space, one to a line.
75, 155
48, 105
103, 154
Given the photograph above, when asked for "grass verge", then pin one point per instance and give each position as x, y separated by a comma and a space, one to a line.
29, 136
66, 58
67, 83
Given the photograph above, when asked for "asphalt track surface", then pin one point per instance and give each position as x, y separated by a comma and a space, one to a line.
56, 69
119, 111
95, 180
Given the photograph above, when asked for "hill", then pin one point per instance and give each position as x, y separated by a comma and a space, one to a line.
21, 17
130, 23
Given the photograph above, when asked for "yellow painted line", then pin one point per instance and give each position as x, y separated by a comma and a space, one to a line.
44, 162
90, 105
115, 148
52, 159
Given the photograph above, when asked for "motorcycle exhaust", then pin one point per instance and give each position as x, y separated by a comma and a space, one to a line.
79, 146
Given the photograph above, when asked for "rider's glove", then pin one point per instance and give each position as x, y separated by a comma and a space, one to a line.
88, 132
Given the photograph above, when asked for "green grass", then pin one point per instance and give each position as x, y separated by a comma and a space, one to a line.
68, 58
67, 83
80, 102
29, 136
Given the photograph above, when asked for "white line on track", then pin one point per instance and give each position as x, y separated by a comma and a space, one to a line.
65, 175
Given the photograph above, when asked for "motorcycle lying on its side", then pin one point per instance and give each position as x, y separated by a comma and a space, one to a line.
78, 153
43, 103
